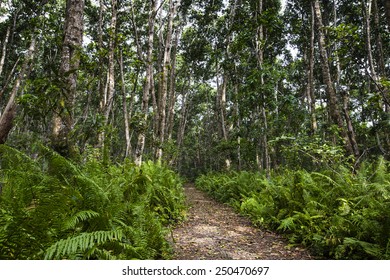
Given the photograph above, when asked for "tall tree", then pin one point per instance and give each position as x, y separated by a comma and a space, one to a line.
109, 92
8, 115
332, 99
148, 61
62, 138
164, 75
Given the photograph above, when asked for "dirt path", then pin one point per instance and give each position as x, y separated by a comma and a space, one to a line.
213, 231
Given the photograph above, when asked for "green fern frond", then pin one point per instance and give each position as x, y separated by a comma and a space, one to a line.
80, 216
81, 243
371, 249
287, 224
326, 178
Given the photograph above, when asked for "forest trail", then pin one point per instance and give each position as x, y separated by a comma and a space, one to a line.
213, 231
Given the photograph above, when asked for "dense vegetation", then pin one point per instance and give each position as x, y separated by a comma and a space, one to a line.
53, 209
297, 90
335, 213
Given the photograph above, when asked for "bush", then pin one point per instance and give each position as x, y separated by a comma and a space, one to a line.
337, 214
53, 209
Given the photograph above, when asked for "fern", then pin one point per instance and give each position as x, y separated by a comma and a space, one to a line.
79, 217
287, 224
51, 207
79, 244
337, 212
352, 247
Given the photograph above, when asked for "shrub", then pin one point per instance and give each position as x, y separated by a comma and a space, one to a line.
54, 209
336, 213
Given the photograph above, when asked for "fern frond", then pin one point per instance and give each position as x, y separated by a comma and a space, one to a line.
81, 243
287, 224
371, 249
80, 216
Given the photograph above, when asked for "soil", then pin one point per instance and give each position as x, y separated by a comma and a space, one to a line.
214, 231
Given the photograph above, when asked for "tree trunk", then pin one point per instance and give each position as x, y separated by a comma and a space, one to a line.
386, 4
70, 58
162, 106
370, 59
221, 105
378, 39
266, 162
326, 76
310, 77
172, 91
351, 131
183, 113
109, 100
4, 51
125, 111
8, 116
148, 81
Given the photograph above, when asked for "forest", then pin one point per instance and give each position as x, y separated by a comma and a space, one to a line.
280, 109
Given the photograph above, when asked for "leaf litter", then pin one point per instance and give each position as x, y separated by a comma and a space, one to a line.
213, 231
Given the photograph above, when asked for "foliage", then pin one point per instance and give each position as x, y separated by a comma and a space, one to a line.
337, 214
54, 209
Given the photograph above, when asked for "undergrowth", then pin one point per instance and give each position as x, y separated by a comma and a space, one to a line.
338, 214
51, 208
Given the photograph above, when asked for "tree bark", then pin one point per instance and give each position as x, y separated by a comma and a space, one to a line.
8, 116
163, 91
4, 51
147, 85
70, 59
378, 39
370, 59
172, 91
351, 131
266, 161
326, 76
386, 4
124, 106
310, 76
110, 79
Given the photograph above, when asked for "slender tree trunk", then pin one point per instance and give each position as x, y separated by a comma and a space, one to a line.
172, 91
101, 87
260, 61
326, 75
386, 4
9, 78
4, 50
109, 100
310, 81
124, 106
162, 106
185, 100
370, 59
70, 58
336, 49
351, 131
8, 116
148, 81
378, 39
222, 113
238, 124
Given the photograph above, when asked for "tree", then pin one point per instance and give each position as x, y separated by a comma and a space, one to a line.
8, 115
148, 61
163, 83
70, 58
335, 115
